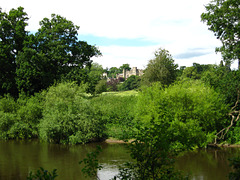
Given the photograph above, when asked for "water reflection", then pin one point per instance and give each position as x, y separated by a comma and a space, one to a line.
18, 158
207, 163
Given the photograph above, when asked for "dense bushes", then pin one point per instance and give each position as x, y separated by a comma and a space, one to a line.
19, 119
118, 113
69, 117
188, 112
65, 114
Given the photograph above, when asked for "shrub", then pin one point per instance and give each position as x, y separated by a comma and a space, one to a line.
118, 114
20, 118
68, 117
8, 104
101, 86
190, 112
133, 82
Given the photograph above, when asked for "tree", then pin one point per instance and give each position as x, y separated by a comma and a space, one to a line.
94, 75
113, 71
190, 72
53, 54
223, 81
124, 66
12, 36
223, 17
161, 68
195, 71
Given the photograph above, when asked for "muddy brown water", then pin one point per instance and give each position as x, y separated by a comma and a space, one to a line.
18, 158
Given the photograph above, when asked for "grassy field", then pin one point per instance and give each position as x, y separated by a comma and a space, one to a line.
122, 93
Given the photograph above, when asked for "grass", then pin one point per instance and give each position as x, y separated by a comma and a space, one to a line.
122, 93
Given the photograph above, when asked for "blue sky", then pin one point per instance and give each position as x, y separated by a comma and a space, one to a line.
105, 41
130, 31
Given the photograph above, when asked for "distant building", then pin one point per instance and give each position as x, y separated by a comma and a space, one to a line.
104, 75
134, 71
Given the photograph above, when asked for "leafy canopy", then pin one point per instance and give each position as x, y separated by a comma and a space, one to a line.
161, 68
12, 36
223, 18
33, 62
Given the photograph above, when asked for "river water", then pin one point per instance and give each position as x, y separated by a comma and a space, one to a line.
18, 158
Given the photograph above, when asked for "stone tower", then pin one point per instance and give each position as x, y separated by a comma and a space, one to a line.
124, 73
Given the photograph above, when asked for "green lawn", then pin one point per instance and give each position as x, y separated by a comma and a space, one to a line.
122, 93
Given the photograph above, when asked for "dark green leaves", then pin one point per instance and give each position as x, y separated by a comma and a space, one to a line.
223, 17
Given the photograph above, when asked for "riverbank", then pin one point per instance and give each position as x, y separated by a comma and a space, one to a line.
224, 145
113, 140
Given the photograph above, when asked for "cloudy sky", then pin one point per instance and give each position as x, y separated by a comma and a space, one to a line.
129, 31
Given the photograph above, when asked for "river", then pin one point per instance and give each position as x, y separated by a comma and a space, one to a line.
18, 158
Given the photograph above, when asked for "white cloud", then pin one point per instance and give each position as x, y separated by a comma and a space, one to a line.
173, 24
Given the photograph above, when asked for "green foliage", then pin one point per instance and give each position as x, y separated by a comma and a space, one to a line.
190, 72
224, 81
124, 66
118, 113
235, 163
32, 73
13, 34
94, 76
161, 68
133, 82
101, 86
20, 119
189, 111
222, 17
42, 174
53, 54
153, 155
112, 84
195, 71
113, 71
33, 62
68, 117
8, 104
169, 120
91, 164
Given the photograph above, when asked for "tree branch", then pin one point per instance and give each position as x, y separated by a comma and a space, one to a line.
235, 114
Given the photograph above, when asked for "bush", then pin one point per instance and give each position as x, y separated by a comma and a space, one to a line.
68, 117
101, 86
20, 118
133, 82
189, 111
118, 114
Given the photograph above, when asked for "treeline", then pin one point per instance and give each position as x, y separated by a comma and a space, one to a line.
66, 114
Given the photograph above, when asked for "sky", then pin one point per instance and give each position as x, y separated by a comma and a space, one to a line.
130, 31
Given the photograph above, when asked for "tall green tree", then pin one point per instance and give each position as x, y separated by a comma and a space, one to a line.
54, 53
223, 18
124, 66
94, 75
12, 36
161, 68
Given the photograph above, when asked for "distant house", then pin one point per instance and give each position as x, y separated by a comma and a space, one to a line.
126, 74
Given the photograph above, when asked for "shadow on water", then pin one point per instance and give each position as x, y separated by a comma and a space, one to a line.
18, 158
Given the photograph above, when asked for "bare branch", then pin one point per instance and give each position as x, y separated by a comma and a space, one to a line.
235, 114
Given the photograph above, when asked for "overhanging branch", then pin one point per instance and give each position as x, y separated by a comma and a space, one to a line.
235, 114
